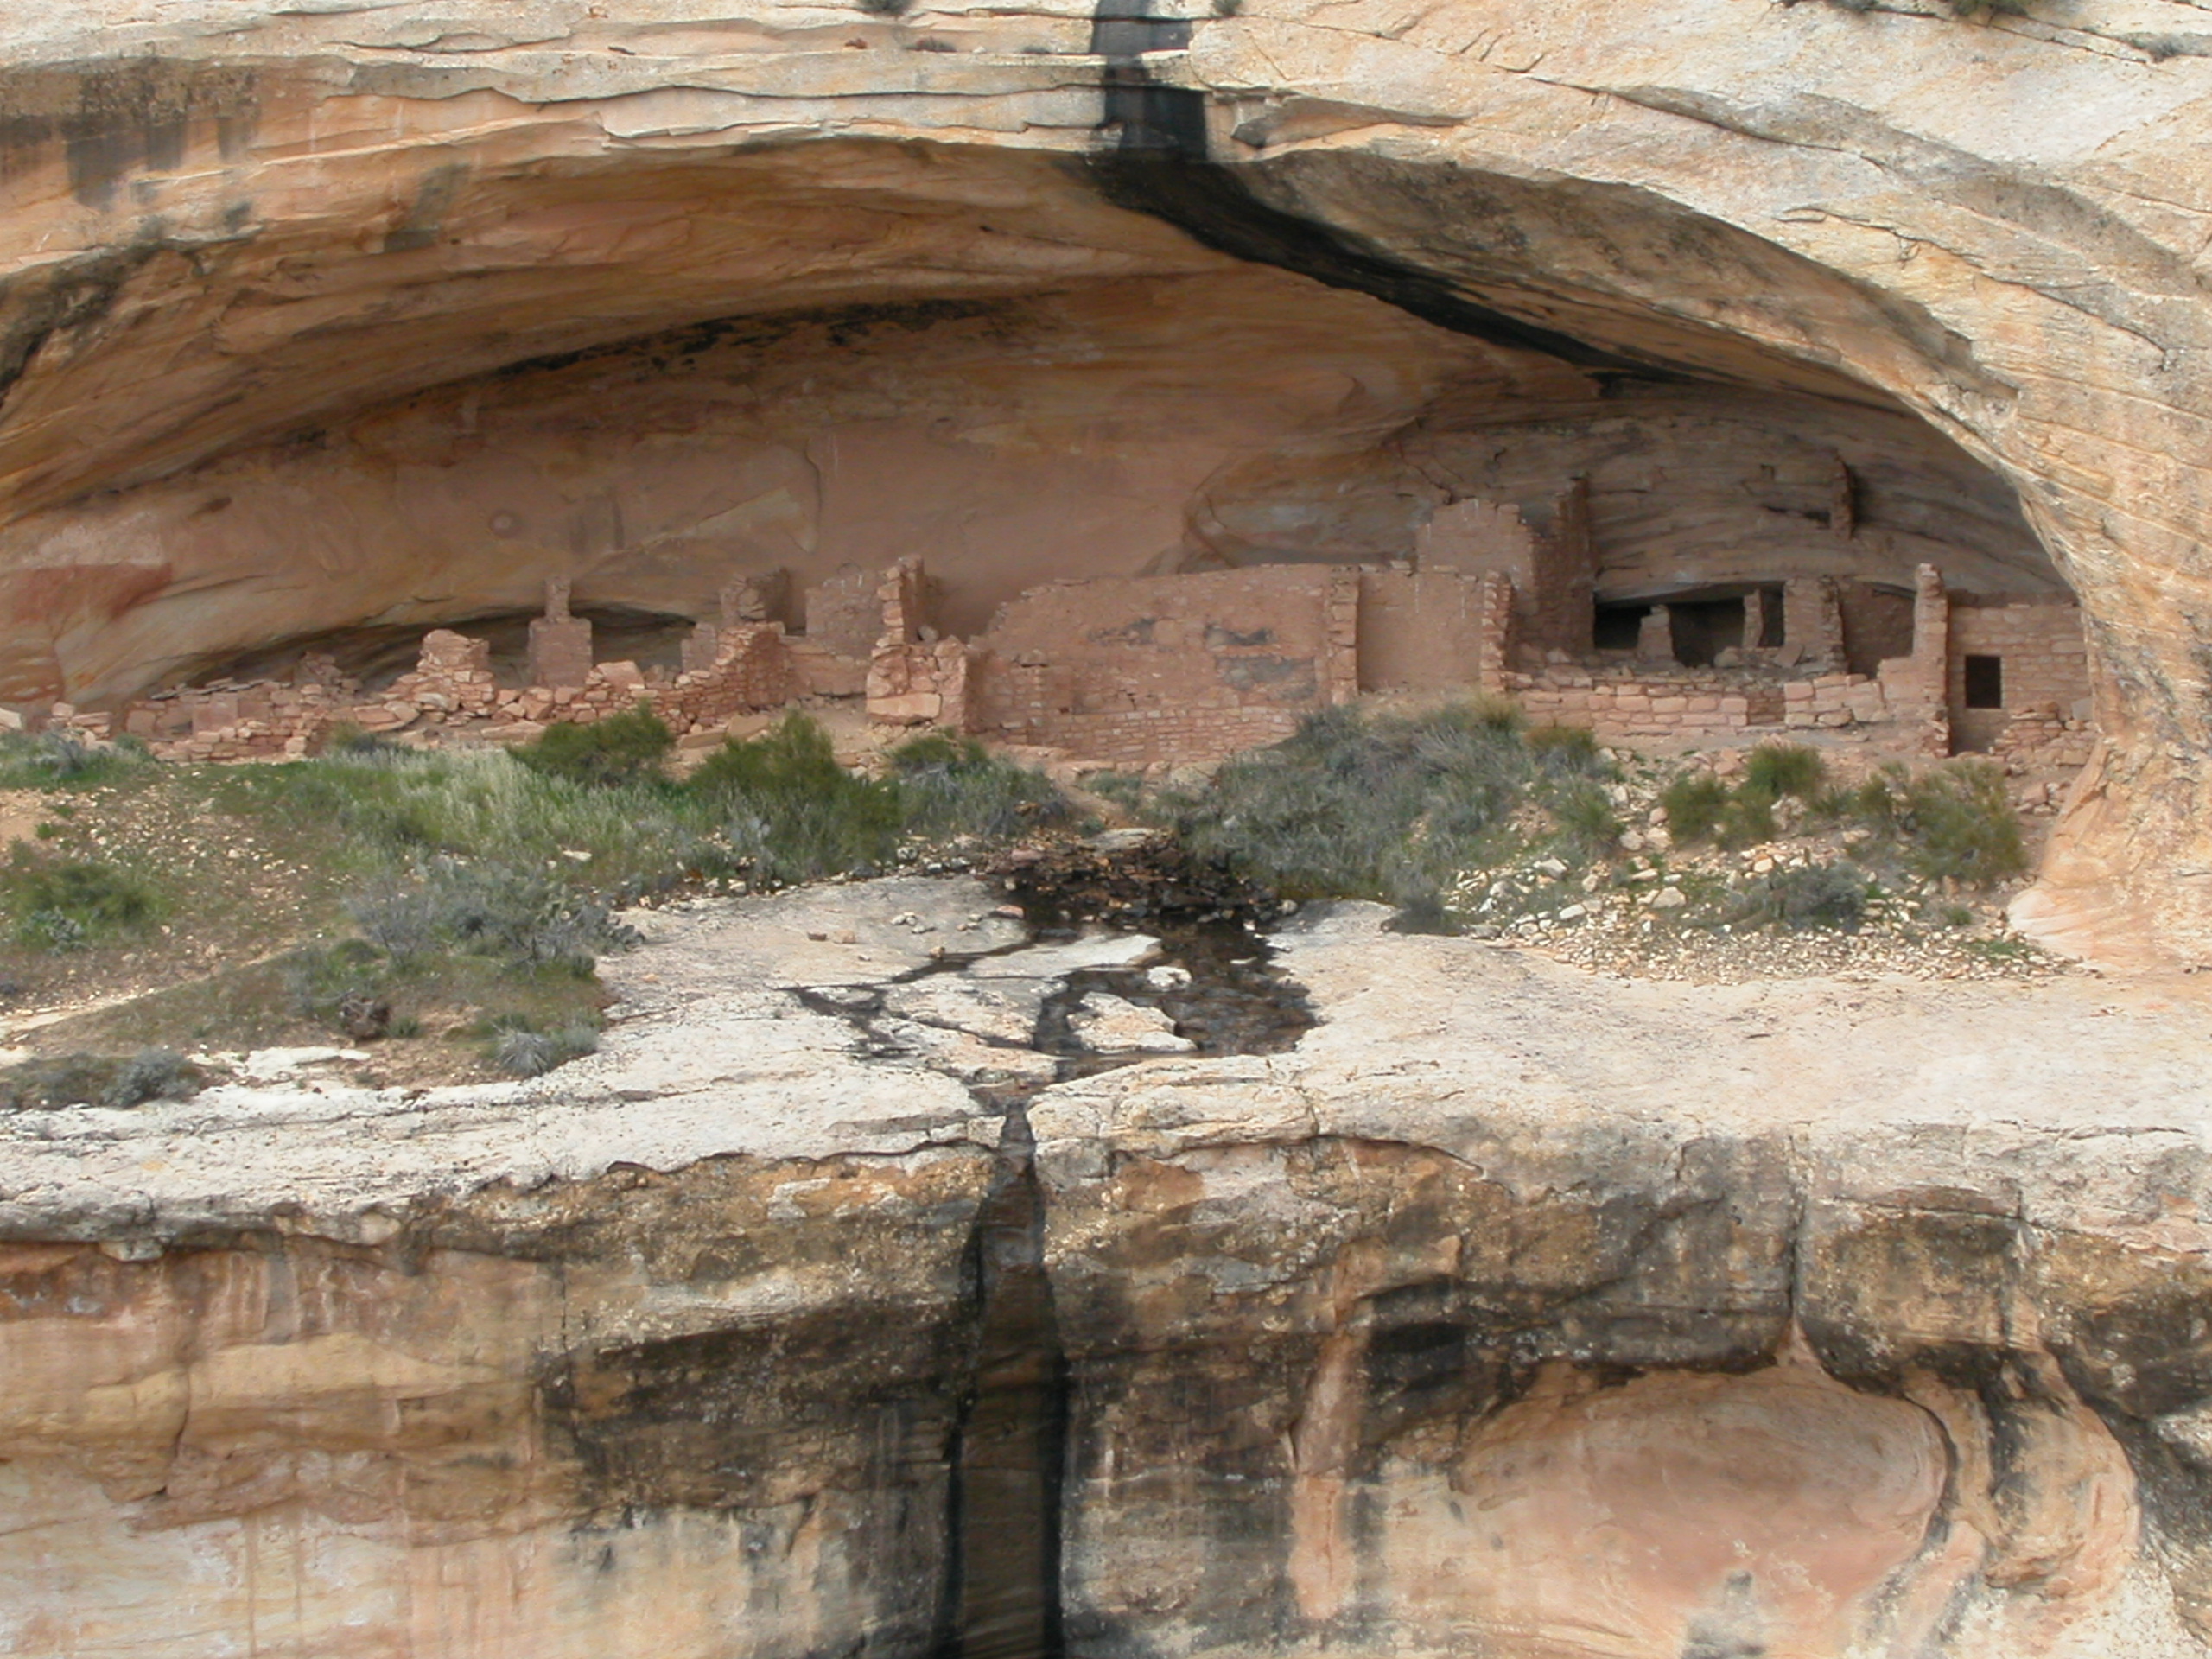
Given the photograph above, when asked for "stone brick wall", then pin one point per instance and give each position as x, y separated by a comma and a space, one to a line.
1626, 701
1419, 631
1188, 667
1835, 700
1554, 576
844, 614
915, 678
451, 690
1812, 621
752, 670
229, 719
2046, 665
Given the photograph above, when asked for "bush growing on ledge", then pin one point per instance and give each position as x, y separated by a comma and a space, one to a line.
791, 813
1395, 806
1695, 803
519, 917
625, 748
950, 787
60, 904
1776, 770
98, 1080
1830, 896
1959, 825
521, 1050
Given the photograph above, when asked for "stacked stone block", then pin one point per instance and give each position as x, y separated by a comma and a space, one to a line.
560, 644
1626, 703
914, 679
1835, 700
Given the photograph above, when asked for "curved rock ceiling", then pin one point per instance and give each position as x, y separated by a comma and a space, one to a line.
316, 316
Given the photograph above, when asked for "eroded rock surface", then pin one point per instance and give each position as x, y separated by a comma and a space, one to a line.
1514, 1310
1803, 1343
314, 320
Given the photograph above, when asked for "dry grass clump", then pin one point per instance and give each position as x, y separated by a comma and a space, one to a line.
1395, 806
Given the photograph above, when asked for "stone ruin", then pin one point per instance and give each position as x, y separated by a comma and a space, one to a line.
1136, 670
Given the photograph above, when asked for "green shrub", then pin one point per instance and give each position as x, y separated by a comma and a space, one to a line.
1875, 802
1959, 825
1695, 802
152, 1074
1566, 749
624, 748
1393, 806
1490, 713
1749, 818
323, 982
521, 1050
1123, 788
64, 760
947, 788
1588, 826
791, 813
58, 904
98, 1080
519, 917
1779, 769
1832, 896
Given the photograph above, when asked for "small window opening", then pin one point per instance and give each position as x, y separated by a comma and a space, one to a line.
1704, 628
1769, 621
1616, 626
1984, 682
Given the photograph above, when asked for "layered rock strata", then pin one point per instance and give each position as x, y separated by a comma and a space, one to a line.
376, 315
1513, 1310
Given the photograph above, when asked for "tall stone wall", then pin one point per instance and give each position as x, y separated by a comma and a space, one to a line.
1420, 630
1183, 667
2045, 658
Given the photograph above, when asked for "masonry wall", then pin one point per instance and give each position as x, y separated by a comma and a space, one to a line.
844, 614
1626, 702
1419, 631
1187, 667
2040, 642
451, 690
1554, 576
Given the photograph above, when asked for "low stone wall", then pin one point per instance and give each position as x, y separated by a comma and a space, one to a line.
1835, 700
1646, 702
452, 688
1140, 737
2043, 734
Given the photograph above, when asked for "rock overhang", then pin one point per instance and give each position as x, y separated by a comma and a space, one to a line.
274, 223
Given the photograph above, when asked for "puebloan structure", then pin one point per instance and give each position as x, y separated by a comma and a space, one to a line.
1130, 380
1194, 667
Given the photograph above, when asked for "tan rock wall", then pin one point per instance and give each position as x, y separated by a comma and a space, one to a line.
447, 1447
274, 279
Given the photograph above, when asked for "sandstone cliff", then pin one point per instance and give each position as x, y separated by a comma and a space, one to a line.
381, 312
1513, 1311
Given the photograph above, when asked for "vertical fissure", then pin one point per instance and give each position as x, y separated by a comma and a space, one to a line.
1003, 1552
